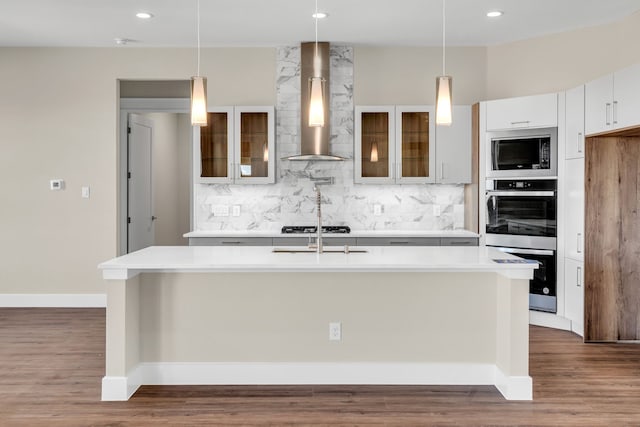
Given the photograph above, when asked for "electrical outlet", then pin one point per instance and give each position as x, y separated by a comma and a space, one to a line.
335, 331
56, 184
235, 210
220, 210
436, 210
377, 209
86, 192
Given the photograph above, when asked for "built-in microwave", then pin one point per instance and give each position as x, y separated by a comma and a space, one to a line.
522, 153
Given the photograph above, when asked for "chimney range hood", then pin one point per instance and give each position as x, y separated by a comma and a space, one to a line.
314, 141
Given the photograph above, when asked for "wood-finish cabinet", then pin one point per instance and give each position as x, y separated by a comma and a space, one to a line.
402, 145
536, 111
612, 102
574, 127
237, 146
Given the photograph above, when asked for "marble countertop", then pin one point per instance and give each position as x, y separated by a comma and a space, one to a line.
354, 233
261, 259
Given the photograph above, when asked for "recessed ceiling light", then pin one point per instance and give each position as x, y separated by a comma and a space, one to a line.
494, 13
144, 15
319, 15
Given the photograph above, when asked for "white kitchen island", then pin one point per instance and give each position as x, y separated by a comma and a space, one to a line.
246, 315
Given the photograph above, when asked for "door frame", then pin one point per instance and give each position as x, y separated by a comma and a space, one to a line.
142, 106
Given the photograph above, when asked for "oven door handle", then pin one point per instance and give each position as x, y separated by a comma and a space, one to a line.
522, 193
516, 251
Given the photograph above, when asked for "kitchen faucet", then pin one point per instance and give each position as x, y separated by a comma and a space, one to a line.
316, 188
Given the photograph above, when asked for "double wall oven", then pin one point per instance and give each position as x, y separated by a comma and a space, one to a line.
521, 211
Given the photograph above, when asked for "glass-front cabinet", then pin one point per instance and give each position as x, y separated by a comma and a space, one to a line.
237, 146
394, 144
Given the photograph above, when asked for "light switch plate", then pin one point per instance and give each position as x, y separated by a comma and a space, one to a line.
86, 192
235, 210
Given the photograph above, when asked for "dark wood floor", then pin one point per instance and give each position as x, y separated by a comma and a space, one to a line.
52, 362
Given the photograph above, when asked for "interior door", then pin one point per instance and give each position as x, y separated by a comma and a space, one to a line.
140, 229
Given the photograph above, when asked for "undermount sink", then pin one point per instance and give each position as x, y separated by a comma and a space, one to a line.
327, 249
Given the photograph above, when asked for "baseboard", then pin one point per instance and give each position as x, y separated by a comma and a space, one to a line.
549, 320
118, 388
53, 300
514, 387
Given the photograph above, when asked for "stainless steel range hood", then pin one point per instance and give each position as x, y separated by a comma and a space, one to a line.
314, 141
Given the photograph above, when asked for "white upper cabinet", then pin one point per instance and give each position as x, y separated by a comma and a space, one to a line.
537, 111
574, 209
612, 102
401, 145
453, 148
237, 146
574, 129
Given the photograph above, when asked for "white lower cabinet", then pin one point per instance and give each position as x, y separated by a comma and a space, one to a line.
574, 294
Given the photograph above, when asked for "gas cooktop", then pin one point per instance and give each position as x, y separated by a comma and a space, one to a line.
294, 229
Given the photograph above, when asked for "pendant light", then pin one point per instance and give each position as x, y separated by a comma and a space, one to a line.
373, 157
443, 86
316, 86
198, 87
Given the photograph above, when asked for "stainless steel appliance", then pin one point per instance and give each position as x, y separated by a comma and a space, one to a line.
521, 219
306, 229
522, 153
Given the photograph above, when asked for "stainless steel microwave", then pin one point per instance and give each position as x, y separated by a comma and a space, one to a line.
522, 153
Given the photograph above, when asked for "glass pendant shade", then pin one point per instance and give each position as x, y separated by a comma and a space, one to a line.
198, 101
316, 103
265, 153
443, 100
374, 152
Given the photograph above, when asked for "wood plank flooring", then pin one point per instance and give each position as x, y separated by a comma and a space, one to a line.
52, 363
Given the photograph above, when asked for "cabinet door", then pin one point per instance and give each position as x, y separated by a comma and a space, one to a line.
626, 99
574, 211
574, 294
213, 148
453, 148
374, 145
254, 145
574, 130
598, 105
537, 111
415, 144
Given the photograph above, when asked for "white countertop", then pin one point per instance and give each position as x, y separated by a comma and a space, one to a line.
249, 259
354, 233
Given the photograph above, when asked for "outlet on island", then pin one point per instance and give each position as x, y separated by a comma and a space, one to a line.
377, 209
335, 331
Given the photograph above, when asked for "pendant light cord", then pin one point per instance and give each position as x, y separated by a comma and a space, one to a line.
443, 37
316, 19
198, 30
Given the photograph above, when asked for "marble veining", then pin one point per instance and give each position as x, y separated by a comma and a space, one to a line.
291, 199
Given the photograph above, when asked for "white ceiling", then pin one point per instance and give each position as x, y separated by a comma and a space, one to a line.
282, 22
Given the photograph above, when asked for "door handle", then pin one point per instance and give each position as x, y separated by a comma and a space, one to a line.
579, 276
153, 217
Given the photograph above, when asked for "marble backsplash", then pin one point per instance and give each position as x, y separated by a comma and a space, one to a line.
291, 200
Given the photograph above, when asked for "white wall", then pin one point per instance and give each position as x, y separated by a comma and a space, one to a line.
59, 112
58, 119
561, 61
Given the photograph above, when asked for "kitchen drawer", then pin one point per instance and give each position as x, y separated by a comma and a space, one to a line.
304, 241
459, 241
230, 241
398, 241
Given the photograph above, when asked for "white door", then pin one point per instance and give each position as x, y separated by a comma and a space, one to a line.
140, 231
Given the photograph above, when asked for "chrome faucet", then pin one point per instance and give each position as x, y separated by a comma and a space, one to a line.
319, 226
316, 188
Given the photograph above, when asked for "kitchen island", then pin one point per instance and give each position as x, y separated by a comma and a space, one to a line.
248, 315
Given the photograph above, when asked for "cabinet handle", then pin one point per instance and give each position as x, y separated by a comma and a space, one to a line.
615, 112
522, 122
579, 243
442, 170
399, 242
229, 242
580, 142
579, 276
607, 112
